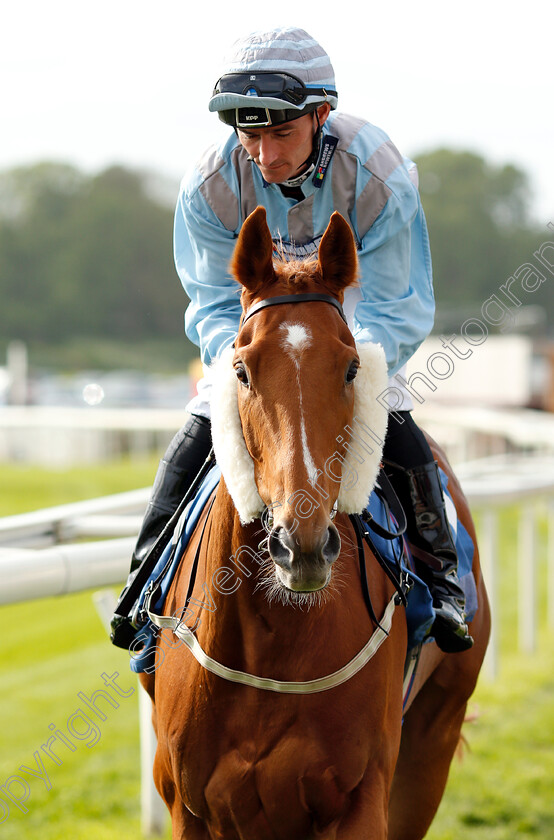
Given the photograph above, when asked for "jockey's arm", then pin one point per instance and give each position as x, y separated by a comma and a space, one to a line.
203, 250
397, 305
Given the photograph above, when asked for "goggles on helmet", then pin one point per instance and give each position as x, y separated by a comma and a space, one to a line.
281, 86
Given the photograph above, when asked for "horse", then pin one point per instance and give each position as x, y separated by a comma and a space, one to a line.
268, 723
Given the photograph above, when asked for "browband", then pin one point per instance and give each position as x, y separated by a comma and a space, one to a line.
301, 298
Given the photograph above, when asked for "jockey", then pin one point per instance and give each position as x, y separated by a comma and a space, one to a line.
293, 153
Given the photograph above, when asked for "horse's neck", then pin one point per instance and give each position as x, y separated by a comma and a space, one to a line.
228, 557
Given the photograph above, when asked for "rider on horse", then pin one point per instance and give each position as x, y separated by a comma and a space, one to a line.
292, 153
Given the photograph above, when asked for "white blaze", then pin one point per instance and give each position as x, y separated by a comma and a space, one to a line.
297, 338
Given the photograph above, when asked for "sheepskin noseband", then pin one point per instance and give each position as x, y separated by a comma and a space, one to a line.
360, 466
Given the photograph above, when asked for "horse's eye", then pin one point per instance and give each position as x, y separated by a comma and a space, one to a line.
352, 371
242, 374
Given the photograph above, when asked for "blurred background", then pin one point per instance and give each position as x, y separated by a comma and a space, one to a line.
104, 109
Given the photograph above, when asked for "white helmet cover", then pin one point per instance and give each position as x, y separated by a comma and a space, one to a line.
283, 50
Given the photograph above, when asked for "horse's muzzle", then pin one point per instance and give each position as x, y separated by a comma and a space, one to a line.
301, 567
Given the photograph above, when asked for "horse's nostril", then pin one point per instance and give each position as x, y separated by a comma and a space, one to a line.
331, 548
280, 553
285, 552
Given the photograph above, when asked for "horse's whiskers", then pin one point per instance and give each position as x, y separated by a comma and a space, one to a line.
338, 580
276, 593
263, 545
348, 546
348, 550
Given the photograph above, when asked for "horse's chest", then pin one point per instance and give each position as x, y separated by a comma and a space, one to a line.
260, 765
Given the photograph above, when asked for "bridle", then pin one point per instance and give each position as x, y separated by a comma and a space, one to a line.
299, 298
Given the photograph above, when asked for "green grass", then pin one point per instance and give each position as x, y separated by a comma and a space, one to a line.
55, 648
52, 650
502, 787
24, 488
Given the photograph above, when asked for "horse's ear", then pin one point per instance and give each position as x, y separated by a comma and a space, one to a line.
338, 260
252, 263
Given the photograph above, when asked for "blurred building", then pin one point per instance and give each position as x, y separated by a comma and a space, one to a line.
502, 372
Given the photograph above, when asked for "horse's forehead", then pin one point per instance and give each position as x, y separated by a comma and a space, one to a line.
302, 331
296, 337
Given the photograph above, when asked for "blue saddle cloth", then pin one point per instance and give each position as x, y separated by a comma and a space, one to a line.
419, 612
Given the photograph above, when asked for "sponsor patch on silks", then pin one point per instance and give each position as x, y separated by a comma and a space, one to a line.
328, 147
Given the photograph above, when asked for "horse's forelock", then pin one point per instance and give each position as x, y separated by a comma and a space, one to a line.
298, 276
302, 275
292, 276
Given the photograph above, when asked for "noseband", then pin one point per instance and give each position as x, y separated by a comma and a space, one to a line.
262, 304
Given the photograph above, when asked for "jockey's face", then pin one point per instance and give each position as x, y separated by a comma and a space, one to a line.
280, 152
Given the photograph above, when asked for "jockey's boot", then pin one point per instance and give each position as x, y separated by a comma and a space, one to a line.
431, 523
178, 468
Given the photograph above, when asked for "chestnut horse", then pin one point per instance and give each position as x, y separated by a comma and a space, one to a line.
269, 725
